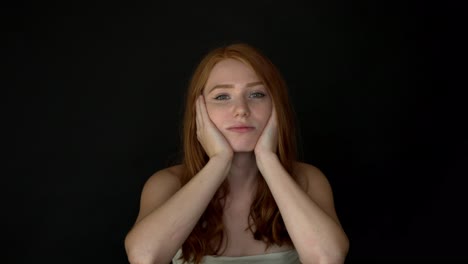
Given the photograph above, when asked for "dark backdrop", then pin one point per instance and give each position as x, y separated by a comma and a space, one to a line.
96, 101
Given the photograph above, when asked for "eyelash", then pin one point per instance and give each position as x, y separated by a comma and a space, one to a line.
254, 93
261, 94
218, 97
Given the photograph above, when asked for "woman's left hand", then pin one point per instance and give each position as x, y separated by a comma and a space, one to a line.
268, 140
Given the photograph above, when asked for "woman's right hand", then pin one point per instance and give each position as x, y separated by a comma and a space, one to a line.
209, 136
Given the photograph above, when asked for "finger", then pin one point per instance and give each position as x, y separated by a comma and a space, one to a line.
274, 124
199, 120
271, 127
203, 111
270, 119
274, 116
197, 111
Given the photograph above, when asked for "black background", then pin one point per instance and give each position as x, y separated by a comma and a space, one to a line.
95, 104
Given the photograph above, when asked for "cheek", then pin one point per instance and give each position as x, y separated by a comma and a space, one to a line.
263, 113
215, 114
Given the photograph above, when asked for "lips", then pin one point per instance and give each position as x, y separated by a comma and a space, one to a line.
241, 128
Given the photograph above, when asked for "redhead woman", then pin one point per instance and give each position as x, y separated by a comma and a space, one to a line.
239, 195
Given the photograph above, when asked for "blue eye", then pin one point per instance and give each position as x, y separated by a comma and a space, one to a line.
257, 95
222, 97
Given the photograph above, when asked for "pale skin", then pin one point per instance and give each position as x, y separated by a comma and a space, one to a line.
306, 205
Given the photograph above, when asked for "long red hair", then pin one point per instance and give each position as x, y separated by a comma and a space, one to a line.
266, 222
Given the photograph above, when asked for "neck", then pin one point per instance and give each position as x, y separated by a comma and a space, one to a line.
243, 175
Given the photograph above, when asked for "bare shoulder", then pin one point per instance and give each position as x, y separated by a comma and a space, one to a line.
168, 176
159, 188
317, 186
308, 175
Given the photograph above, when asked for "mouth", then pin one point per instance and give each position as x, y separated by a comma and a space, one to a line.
241, 129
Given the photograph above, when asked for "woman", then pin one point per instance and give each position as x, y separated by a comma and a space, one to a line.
239, 193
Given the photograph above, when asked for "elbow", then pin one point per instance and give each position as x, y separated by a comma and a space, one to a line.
338, 253
336, 258
134, 258
136, 254
333, 255
342, 250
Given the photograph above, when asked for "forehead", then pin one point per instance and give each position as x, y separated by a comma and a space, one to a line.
231, 71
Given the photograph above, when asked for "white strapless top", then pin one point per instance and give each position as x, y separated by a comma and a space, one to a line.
284, 257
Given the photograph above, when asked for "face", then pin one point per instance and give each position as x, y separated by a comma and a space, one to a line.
237, 103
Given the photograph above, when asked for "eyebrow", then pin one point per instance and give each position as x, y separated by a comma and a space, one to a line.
219, 86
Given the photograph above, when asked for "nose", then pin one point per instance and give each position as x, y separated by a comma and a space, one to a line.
241, 108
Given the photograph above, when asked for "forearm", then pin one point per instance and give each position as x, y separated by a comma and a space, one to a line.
158, 236
314, 233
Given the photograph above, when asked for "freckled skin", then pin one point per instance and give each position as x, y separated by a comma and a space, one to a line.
238, 104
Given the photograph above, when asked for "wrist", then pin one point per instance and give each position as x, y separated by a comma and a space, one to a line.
264, 158
265, 155
222, 162
223, 157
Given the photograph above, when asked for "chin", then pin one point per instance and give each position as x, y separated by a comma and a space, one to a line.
243, 147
